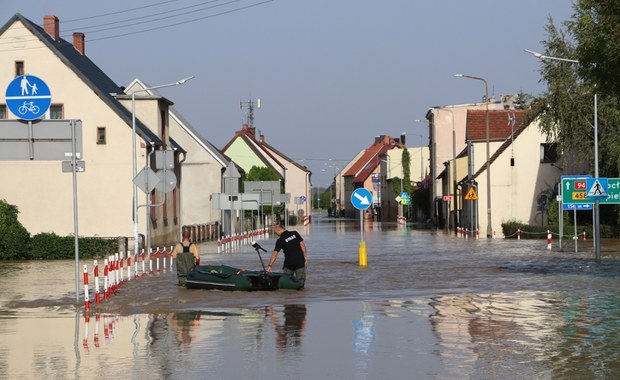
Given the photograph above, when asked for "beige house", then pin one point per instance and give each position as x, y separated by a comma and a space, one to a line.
522, 172
447, 127
81, 91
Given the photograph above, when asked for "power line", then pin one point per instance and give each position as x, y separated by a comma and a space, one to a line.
118, 12
168, 12
182, 22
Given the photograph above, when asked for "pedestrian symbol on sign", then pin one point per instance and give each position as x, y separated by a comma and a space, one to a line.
597, 188
28, 97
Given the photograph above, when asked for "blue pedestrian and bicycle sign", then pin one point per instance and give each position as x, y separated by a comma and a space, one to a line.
361, 198
28, 97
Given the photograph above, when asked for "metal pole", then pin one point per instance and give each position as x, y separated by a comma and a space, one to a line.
75, 214
134, 153
597, 219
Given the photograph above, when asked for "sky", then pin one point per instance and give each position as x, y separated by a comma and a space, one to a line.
331, 74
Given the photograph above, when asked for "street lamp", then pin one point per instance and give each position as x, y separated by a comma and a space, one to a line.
597, 221
134, 161
488, 163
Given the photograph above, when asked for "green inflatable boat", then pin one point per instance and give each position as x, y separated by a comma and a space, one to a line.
224, 277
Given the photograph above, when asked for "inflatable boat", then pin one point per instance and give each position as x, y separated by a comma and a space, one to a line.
224, 277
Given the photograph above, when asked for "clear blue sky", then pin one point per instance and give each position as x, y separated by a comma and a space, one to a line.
331, 74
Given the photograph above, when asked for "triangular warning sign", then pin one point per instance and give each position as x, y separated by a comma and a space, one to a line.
597, 190
471, 195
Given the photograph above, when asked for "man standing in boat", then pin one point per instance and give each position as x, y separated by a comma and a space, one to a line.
294, 249
186, 255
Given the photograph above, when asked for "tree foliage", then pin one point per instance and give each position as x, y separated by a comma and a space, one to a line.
14, 238
566, 109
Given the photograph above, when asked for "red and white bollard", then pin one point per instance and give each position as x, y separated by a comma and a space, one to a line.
121, 273
466, 233
518, 234
549, 240
96, 275
143, 262
477, 234
86, 299
165, 257
584, 235
128, 265
171, 249
157, 257
493, 235
105, 279
150, 260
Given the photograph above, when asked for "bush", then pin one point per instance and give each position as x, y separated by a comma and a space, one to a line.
14, 238
49, 246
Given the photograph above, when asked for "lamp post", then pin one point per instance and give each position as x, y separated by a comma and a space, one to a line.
134, 161
597, 221
488, 163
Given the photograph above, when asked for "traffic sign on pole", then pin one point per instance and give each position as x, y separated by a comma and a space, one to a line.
28, 97
361, 198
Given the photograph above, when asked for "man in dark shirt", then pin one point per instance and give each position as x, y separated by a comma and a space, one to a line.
294, 249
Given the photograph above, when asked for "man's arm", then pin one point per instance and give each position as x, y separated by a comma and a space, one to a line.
302, 245
272, 260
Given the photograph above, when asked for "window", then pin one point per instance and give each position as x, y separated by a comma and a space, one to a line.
56, 111
548, 153
3, 111
19, 68
101, 135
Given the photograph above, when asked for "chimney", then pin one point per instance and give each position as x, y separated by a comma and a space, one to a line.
52, 26
402, 139
78, 42
262, 138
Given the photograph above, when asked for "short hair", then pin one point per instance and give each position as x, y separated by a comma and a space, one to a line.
186, 232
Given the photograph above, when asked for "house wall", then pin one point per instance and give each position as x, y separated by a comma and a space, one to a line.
514, 189
41, 191
201, 177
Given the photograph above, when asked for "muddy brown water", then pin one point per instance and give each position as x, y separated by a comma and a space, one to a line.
428, 305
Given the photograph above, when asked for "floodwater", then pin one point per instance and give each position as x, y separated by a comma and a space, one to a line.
427, 306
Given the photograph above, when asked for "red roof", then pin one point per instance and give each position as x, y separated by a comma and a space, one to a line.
502, 124
368, 162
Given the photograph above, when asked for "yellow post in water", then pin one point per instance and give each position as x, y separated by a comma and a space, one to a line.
362, 254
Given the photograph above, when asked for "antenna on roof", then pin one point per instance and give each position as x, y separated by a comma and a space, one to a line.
250, 113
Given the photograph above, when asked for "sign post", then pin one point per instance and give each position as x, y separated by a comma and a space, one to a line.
361, 199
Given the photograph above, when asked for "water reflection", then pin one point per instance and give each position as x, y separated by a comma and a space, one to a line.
289, 328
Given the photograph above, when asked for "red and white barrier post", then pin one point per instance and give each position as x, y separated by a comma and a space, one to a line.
96, 275
549, 240
86, 299
518, 234
143, 262
128, 265
105, 279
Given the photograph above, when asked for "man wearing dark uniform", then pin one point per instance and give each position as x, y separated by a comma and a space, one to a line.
294, 249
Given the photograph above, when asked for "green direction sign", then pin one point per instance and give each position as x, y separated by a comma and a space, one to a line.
574, 191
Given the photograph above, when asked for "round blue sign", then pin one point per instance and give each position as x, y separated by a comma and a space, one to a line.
361, 198
28, 97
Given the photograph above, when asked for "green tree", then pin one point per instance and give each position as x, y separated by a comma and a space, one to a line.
14, 238
406, 163
566, 109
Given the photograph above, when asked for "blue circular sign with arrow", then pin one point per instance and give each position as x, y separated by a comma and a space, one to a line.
361, 198
28, 97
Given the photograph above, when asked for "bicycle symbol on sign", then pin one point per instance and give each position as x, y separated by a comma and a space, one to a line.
28, 107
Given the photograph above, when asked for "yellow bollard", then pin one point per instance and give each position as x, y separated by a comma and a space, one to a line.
362, 254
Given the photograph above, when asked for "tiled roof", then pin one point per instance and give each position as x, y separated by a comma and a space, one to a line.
501, 124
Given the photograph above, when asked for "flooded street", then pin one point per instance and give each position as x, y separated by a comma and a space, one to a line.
427, 306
